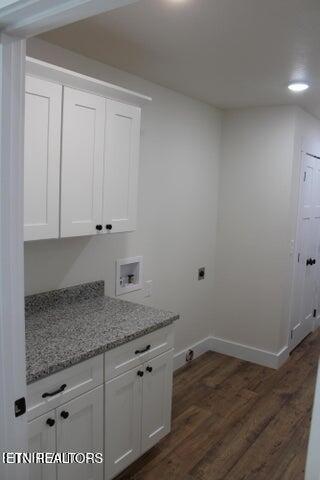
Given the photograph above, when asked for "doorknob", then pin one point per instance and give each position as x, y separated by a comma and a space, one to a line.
50, 422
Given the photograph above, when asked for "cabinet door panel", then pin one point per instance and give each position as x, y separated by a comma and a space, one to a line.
81, 431
123, 421
42, 438
82, 162
121, 166
156, 400
42, 159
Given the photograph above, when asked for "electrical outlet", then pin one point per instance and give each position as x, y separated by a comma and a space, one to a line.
201, 273
189, 356
148, 288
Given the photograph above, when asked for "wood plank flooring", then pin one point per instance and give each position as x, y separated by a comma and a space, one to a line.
234, 420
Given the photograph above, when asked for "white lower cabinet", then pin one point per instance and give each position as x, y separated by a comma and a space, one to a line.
80, 429
120, 415
138, 412
42, 438
156, 400
123, 421
76, 426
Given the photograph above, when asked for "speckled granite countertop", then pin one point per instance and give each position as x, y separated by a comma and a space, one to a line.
64, 327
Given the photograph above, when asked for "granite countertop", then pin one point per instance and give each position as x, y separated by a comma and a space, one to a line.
67, 326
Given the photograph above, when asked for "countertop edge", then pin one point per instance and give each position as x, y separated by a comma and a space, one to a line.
46, 372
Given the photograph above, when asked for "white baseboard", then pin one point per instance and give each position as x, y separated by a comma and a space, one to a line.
233, 349
250, 354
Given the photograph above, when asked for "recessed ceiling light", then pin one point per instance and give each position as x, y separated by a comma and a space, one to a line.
298, 87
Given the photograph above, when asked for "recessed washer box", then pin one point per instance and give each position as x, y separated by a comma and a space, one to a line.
128, 274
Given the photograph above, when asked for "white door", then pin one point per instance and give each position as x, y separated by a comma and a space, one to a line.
42, 159
82, 163
305, 268
123, 421
121, 166
42, 438
156, 400
80, 429
317, 240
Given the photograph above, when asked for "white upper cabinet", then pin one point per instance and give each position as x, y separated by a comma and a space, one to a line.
42, 159
81, 155
82, 163
122, 139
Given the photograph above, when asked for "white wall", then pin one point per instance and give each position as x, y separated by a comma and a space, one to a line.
253, 254
177, 213
246, 296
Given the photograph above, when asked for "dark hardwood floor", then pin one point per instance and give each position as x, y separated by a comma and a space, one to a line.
235, 420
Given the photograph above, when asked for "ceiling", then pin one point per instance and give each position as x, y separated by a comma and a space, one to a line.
229, 53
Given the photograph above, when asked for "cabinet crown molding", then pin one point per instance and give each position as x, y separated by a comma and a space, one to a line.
69, 78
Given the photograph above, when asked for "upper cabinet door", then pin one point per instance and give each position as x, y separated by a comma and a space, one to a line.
121, 166
82, 163
42, 159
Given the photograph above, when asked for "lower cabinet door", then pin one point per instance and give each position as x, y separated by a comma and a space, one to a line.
80, 429
123, 421
42, 438
156, 399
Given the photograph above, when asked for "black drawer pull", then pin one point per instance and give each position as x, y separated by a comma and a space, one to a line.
50, 422
45, 395
143, 350
149, 369
64, 414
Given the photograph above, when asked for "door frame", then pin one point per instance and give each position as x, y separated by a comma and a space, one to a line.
19, 20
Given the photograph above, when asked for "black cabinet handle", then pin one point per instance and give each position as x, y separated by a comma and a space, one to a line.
99, 227
50, 422
64, 414
47, 394
109, 226
143, 350
149, 369
140, 373
314, 261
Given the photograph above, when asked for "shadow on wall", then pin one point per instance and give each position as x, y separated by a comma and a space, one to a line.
52, 264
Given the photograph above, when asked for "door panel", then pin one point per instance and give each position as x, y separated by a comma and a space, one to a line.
123, 421
42, 159
81, 431
82, 162
317, 240
121, 166
156, 400
42, 438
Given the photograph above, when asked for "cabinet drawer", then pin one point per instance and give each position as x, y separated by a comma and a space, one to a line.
61, 387
121, 359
